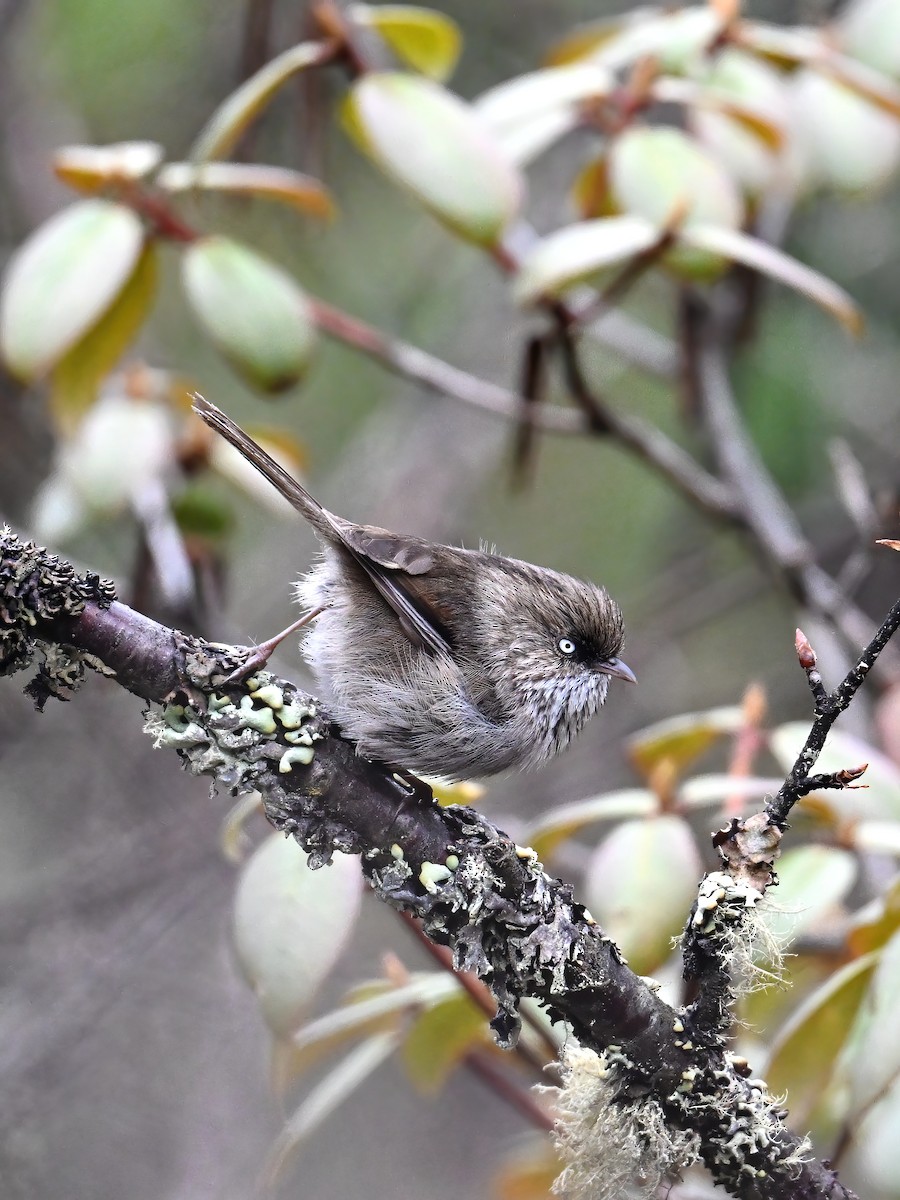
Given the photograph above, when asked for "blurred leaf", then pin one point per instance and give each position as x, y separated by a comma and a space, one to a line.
254, 312
91, 168
291, 925
436, 147
63, 279
464, 792
563, 820
528, 1178
586, 39
590, 189
76, 378
666, 177
843, 140
120, 447
233, 117
876, 837
376, 1002
338, 1085
805, 1051
580, 253
258, 180
880, 800
875, 924
705, 790
233, 841
678, 40
425, 40
682, 739
870, 31
881, 93
640, 884
873, 1151
530, 112
199, 510
768, 260
875, 1065
784, 45
812, 882
439, 1040
655, 172
696, 96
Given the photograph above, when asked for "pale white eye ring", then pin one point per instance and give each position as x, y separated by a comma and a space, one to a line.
566, 646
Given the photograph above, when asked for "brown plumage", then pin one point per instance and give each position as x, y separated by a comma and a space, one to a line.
439, 660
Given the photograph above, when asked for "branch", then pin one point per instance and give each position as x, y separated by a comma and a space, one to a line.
518, 930
759, 506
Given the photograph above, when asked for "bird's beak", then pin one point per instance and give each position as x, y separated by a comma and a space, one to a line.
621, 670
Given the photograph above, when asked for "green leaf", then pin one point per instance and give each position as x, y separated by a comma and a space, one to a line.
870, 31
682, 739
529, 113
667, 177
581, 253
640, 884
875, 1065
62, 280
813, 881
234, 116
678, 40
563, 820
806, 1049
254, 312
326, 1097
200, 511
876, 923
844, 141
425, 40
440, 1038
768, 260
90, 168
291, 925
77, 377
879, 800
122, 446
436, 147
302, 192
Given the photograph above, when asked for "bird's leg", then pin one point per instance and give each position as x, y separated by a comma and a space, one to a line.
261, 654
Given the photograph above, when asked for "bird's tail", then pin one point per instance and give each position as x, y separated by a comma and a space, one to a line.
294, 492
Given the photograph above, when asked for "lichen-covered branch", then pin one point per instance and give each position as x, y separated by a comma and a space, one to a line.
513, 926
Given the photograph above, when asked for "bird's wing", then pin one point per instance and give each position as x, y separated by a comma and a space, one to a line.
398, 566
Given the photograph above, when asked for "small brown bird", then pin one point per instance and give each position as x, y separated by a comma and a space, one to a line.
438, 660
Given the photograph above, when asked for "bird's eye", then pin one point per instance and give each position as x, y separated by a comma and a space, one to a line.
567, 647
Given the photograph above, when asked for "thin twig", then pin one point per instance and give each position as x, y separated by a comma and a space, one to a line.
828, 709
517, 1097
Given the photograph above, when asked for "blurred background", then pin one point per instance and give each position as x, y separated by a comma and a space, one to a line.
134, 1061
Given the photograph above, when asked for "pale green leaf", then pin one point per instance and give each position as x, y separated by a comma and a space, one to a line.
813, 881
440, 1038
640, 884
879, 800
768, 260
426, 40
256, 314
581, 253
870, 31
530, 112
563, 820
436, 147
258, 180
805, 1050
235, 115
291, 925
76, 378
326, 1097
90, 168
682, 739
62, 280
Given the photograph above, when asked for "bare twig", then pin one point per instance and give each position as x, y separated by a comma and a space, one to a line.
828, 709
